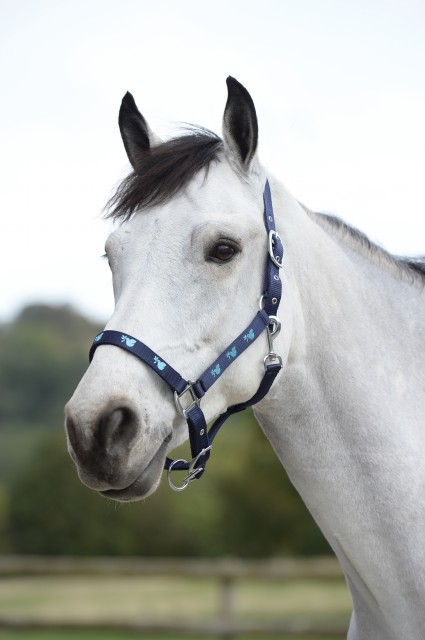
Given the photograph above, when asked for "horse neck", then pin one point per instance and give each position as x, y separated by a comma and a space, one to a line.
350, 429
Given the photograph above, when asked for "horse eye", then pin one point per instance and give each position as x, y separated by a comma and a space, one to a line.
222, 252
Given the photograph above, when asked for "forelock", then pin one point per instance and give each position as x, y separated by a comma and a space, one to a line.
164, 171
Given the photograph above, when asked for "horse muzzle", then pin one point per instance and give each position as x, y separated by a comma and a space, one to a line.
110, 451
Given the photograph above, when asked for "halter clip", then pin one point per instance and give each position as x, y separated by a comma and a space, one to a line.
272, 331
192, 472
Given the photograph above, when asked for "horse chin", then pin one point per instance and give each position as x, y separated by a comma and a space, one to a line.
140, 489
144, 485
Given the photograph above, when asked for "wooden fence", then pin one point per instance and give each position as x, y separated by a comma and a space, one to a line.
226, 572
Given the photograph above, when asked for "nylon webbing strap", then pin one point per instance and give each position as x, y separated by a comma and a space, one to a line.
242, 342
265, 386
272, 282
199, 441
144, 353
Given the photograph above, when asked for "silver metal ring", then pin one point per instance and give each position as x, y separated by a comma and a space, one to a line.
192, 471
171, 483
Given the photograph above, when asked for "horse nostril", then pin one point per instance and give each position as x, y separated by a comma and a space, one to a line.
117, 429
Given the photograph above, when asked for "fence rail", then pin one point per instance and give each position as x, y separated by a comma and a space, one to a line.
226, 572
232, 568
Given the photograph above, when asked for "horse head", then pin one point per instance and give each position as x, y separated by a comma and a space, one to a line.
187, 260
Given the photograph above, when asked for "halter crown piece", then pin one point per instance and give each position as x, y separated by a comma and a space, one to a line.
187, 394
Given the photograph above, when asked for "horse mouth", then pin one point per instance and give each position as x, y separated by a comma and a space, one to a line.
145, 484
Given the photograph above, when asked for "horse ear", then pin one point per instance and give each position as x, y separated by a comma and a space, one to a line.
135, 131
240, 126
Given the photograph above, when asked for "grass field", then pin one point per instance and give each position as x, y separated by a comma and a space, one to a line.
104, 635
131, 599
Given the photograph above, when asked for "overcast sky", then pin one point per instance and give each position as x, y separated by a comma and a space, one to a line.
339, 88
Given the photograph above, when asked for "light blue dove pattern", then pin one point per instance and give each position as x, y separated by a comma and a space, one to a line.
216, 371
159, 363
98, 337
232, 353
249, 336
130, 342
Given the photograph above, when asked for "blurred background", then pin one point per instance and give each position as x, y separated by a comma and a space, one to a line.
243, 507
245, 510
340, 95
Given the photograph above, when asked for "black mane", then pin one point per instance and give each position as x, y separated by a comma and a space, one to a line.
410, 267
164, 171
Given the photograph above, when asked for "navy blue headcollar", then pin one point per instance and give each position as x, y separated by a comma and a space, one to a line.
187, 394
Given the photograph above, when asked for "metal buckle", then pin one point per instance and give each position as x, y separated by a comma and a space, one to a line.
192, 472
275, 259
195, 401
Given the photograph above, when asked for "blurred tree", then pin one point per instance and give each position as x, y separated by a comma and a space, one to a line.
4, 515
43, 356
50, 512
238, 509
261, 510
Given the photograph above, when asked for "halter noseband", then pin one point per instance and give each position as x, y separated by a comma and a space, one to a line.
187, 394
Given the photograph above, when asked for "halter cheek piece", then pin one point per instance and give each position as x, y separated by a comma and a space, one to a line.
187, 394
